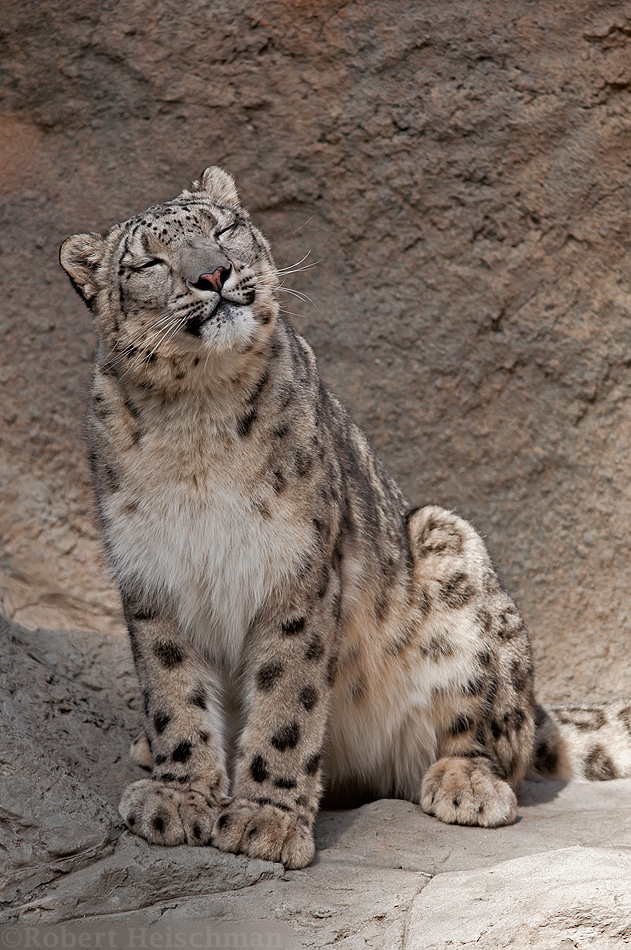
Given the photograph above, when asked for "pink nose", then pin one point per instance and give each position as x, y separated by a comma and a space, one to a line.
217, 279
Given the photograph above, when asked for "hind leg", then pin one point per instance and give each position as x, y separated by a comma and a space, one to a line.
482, 706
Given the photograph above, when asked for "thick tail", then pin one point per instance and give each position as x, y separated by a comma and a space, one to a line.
589, 742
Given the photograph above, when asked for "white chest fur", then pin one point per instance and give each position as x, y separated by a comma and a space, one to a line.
198, 540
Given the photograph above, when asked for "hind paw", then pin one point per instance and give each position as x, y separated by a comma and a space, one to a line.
466, 792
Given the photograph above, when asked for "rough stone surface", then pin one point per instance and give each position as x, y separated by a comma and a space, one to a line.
461, 172
385, 876
573, 898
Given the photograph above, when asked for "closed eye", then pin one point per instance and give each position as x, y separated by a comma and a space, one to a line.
147, 264
228, 228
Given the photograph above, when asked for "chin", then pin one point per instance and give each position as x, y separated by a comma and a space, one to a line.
231, 328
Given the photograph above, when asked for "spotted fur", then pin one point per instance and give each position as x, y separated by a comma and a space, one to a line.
295, 624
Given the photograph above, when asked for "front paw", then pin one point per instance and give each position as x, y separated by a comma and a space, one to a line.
264, 831
166, 815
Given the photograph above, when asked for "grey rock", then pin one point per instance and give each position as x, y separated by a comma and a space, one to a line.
385, 875
572, 898
137, 875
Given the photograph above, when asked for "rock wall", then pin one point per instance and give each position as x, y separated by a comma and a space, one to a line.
461, 172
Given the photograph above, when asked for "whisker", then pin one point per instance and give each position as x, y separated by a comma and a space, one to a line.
297, 263
304, 297
140, 335
174, 318
292, 313
308, 221
296, 293
297, 270
282, 240
265, 281
170, 331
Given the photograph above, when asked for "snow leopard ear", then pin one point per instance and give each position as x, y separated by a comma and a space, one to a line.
219, 185
80, 256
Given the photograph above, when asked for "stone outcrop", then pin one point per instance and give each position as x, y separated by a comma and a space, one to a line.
385, 876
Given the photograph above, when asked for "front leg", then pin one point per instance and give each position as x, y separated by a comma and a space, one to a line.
277, 779
189, 783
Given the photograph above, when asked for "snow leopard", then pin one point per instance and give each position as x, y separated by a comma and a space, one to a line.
298, 628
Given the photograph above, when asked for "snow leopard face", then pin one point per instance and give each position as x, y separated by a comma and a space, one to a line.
181, 281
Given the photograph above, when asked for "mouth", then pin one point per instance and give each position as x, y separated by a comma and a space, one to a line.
224, 311
220, 313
